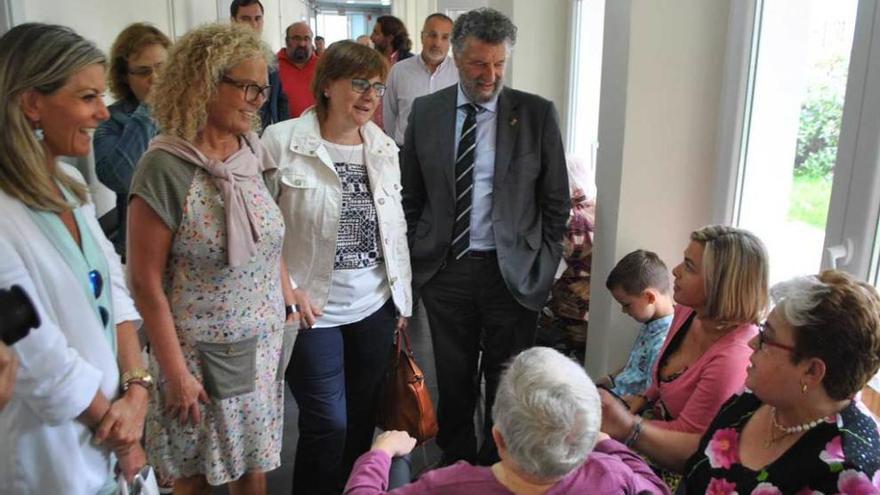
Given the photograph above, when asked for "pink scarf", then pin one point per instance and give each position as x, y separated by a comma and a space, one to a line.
242, 234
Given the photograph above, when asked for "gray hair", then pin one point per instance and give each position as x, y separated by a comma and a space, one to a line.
548, 411
485, 24
796, 299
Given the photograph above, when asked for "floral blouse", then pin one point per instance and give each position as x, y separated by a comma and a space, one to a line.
839, 456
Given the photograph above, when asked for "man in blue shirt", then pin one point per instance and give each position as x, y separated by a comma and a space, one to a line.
485, 193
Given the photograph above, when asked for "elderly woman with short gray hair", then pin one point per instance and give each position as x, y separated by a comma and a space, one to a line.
547, 415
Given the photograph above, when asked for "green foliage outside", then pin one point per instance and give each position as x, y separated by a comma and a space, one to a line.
821, 114
809, 200
817, 141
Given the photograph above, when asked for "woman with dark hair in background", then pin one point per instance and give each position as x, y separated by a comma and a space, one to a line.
391, 39
135, 59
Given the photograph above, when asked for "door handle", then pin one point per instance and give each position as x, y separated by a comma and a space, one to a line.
838, 254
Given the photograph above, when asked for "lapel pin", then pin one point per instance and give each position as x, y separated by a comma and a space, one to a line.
513, 121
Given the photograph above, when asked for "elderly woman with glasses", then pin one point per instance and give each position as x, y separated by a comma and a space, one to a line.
799, 427
135, 58
347, 252
81, 389
206, 271
547, 416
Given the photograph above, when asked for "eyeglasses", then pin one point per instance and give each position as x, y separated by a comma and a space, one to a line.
96, 282
144, 70
362, 85
252, 92
763, 340
299, 39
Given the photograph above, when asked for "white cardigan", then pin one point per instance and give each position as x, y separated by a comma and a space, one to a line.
310, 198
43, 447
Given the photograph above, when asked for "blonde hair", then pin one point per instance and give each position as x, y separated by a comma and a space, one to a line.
41, 58
197, 62
734, 273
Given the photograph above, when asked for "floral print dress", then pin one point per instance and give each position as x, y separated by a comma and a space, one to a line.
229, 321
839, 456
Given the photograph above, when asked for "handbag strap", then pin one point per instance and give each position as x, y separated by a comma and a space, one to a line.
402, 341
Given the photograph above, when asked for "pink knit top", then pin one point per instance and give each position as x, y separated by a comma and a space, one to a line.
694, 397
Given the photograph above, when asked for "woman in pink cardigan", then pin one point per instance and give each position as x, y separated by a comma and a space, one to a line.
721, 291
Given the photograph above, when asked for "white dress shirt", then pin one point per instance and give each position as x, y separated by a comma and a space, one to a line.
408, 80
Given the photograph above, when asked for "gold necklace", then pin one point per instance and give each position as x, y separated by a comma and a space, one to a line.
772, 440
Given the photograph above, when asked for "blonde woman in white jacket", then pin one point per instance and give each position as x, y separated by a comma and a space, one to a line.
77, 411
346, 250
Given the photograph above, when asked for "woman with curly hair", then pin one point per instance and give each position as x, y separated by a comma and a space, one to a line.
135, 58
206, 269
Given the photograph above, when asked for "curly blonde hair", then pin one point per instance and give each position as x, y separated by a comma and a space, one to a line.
195, 66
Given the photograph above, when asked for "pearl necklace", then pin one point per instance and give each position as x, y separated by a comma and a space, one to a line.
788, 430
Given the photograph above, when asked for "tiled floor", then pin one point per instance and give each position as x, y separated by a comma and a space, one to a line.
279, 480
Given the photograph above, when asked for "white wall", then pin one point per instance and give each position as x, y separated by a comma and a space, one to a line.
543, 50
102, 20
413, 14
540, 59
661, 78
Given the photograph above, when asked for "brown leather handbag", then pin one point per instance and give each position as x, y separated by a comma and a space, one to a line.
405, 403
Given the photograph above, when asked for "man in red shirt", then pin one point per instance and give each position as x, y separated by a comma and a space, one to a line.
296, 64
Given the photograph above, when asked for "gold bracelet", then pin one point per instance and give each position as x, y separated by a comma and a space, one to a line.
137, 376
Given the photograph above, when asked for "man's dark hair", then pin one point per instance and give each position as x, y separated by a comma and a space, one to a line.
439, 15
392, 26
485, 24
637, 271
237, 4
319, 38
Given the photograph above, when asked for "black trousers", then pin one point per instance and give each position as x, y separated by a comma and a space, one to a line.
474, 320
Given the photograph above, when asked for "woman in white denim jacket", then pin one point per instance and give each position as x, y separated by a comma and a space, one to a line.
346, 250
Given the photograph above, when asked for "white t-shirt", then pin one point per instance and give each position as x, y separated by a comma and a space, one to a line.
359, 283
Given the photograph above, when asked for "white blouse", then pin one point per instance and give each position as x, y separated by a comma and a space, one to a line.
63, 363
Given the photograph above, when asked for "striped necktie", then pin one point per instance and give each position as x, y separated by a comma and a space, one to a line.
464, 181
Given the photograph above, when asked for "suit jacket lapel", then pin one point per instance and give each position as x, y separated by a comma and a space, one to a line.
505, 135
445, 134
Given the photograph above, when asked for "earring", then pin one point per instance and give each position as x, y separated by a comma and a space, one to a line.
38, 131
803, 388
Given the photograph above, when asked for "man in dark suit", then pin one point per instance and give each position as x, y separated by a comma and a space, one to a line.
485, 192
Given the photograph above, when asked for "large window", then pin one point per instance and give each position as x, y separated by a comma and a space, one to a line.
799, 152
802, 149
798, 82
585, 76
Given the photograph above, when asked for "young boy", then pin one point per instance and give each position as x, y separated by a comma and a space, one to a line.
640, 283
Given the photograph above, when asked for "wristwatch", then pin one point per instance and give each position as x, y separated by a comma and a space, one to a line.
136, 377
